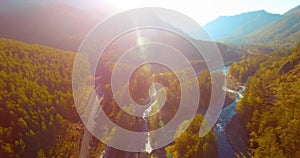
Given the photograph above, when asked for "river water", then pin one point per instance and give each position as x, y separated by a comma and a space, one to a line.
225, 149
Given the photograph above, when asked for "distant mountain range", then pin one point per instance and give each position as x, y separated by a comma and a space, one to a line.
285, 30
258, 27
239, 25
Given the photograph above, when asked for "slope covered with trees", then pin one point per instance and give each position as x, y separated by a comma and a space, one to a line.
38, 116
36, 99
270, 107
254, 58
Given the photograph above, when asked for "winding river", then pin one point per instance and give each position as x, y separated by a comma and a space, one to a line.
225, 149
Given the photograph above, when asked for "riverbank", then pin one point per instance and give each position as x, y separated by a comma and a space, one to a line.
229, 99
232, 84
232, 137
237, 136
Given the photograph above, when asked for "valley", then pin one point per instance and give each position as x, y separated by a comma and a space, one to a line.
39, 116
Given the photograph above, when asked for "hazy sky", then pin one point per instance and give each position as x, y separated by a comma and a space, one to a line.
202, 11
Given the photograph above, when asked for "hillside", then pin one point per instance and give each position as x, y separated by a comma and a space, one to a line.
42, 76
38, 117
239, 25
285, 30
269, 111
257, 28
38, 114
64, 28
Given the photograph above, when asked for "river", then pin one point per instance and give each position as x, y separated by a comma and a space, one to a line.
224, 147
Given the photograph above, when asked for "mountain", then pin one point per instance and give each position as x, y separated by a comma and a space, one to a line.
59, 25
240, 25
53, 24
257, 27
285, 30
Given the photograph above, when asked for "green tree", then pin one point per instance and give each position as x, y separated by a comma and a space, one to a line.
190, 145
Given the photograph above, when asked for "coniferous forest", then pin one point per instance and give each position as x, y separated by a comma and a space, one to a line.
37, 104
270, 108
260, 79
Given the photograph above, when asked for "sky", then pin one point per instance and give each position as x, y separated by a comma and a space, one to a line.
204, 11
201, 11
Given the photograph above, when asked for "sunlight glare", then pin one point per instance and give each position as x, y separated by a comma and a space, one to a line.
124, 4
202, 12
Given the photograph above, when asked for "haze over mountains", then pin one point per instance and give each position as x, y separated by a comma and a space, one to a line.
66, 26
284, 30
57, 25
40, 119
258, 27
239, 25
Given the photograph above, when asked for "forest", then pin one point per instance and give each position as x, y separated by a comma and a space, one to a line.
39, 118
270, 108
36, 99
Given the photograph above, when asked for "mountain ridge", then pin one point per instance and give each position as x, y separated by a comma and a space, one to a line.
241, 24
256, 28
55, 25
284, 31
